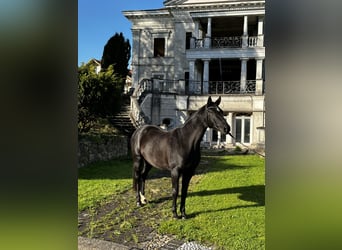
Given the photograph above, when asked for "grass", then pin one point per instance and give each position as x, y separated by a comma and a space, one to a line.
98, 181
225, 204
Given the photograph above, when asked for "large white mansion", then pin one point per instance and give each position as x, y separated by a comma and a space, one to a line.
190, 49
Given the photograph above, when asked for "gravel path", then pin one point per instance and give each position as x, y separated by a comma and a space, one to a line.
158, 242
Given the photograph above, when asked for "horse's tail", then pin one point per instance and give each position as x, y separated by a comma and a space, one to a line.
137, 158
136, 161
134, 181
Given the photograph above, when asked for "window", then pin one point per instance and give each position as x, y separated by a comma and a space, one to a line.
159, 47
186, 79
187, 40
159, 76
243, 128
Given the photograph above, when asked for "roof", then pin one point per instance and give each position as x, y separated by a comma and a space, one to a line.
195, 5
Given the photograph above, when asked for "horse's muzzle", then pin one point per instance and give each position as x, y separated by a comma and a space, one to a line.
226, 129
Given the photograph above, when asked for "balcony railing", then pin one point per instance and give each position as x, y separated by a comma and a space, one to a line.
225, 42
192, 87
252, 41
232, 87
165, 86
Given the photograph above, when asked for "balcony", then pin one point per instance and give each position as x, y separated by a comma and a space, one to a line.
196, 87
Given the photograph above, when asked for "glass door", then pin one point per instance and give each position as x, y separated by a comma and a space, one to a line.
243, 129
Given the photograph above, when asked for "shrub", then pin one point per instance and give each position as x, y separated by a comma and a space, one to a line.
99, 95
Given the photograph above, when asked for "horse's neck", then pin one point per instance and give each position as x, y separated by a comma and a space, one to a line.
194, 130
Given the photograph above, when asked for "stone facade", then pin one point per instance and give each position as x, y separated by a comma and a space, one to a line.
190, 50
101, 148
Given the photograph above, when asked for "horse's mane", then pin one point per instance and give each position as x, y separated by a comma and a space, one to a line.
193, 115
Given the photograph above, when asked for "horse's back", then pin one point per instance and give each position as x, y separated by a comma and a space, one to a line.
146, 134
153, 144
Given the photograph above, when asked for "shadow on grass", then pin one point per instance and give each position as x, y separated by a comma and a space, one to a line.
193, 215
255, 193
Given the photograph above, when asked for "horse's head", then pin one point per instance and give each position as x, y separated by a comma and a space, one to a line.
215, 116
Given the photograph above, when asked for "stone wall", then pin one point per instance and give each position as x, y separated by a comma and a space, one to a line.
92, 148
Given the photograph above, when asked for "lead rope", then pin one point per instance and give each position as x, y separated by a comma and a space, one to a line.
246, 146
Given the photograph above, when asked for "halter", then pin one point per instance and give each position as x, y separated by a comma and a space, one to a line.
217, 108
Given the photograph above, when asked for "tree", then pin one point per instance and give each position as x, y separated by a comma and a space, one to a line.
117, 52
99, 95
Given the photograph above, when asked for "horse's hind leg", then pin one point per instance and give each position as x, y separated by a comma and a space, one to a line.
144, 173
137, 167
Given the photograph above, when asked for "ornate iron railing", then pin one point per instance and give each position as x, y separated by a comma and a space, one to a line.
231, 87
147, 86
226, 42
166, 86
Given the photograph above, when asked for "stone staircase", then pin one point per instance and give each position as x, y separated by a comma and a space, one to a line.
122, 120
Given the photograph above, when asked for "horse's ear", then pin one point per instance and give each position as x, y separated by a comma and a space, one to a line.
210, 102
218, 101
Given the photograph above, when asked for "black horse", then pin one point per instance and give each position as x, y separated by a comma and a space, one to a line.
177, 150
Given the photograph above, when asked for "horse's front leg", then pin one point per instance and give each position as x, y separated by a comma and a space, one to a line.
175, 189
185, 184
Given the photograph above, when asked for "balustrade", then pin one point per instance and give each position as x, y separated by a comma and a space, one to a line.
225, 42
178, 87
137, 115
231, 87
252, 41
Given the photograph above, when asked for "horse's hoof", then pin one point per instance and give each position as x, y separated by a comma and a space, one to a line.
175, 216
139, 204
183, 217
142, 199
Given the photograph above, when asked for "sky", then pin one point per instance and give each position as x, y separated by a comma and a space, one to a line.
99, 20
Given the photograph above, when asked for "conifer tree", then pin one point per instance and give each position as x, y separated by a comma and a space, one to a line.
117, 52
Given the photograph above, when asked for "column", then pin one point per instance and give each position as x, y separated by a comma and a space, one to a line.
245, 32
260, 31
218, 139
243, 78
191, 76
209, 27
136, 33
258, 76
207, 39
210, 137
196, 33
192, 42
229, 139
206, 76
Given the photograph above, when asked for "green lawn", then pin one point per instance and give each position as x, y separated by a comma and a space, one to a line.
101, 180
225, 204
226, 207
